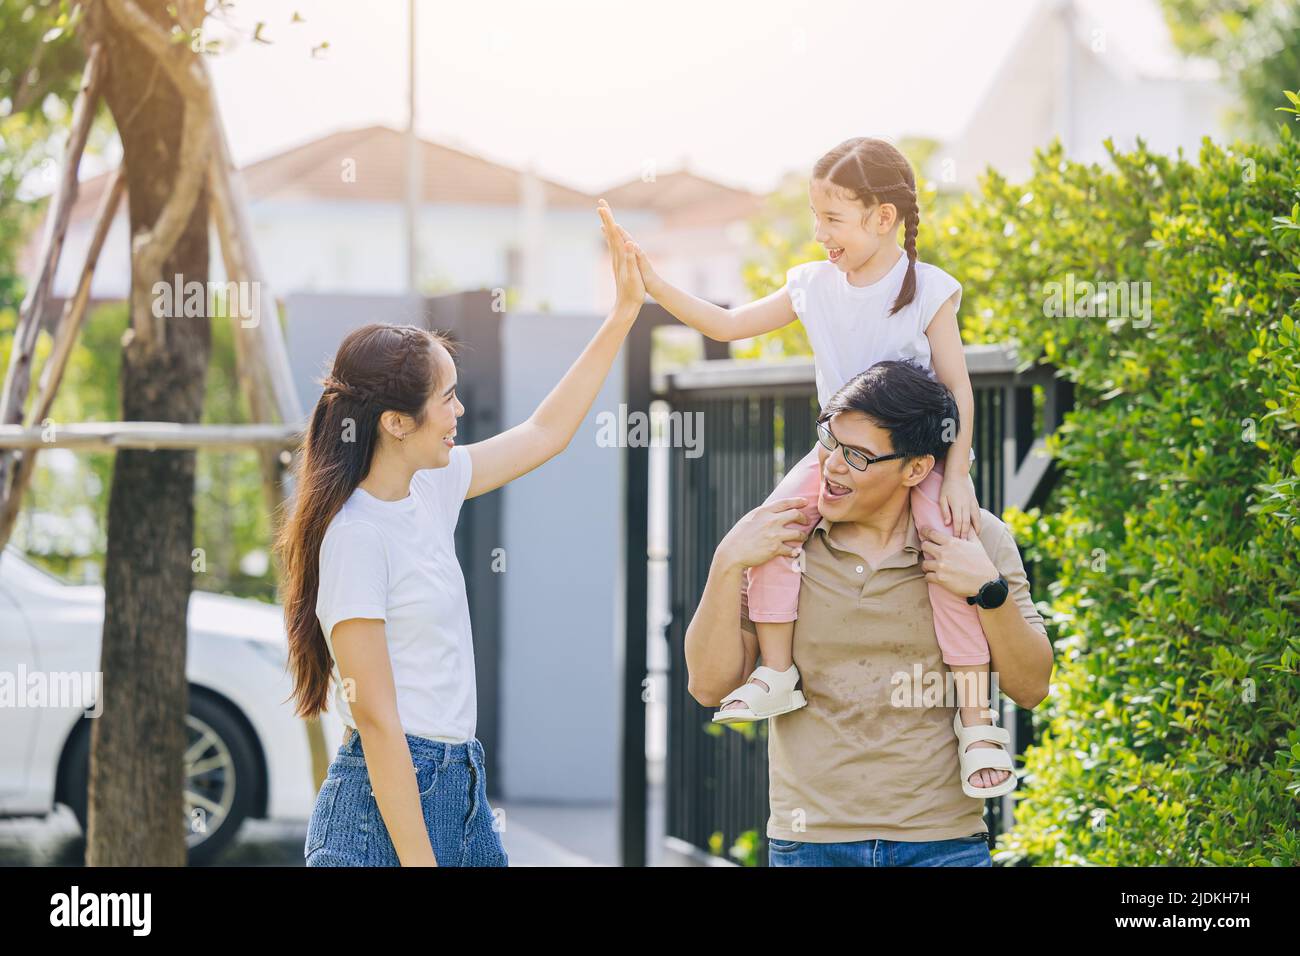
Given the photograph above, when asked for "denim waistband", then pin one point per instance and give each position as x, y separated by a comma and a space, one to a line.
470, 751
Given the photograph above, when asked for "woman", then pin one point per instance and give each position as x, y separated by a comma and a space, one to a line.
374, 597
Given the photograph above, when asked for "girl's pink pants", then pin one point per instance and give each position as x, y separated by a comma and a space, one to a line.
773, 588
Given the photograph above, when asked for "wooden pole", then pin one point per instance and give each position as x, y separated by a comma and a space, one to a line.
18, 378
151, 436
262, 359
250, 365
76, 308
74, 313
231, 210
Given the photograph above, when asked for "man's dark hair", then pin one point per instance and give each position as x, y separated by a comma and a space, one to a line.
907, 401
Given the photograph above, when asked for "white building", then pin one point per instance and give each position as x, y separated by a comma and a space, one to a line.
1085, 70
328, 217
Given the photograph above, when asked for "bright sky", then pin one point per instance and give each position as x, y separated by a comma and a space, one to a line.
593, 91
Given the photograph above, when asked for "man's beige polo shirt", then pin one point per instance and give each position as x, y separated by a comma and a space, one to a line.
851, 765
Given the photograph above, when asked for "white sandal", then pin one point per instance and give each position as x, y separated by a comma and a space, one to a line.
780, 697
983, 758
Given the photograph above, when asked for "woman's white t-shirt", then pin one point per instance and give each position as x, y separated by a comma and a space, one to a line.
396, 561
849, 327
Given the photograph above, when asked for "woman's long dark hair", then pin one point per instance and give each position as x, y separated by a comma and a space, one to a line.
874, 171
377, 368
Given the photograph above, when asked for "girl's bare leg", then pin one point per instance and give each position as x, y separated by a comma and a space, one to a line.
972, 685
775, 650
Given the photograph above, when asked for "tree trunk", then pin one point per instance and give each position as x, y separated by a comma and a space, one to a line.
136, 800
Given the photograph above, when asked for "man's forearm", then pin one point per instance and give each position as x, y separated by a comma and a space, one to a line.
715, 654
1020, 654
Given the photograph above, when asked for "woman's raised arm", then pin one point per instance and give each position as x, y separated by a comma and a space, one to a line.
548, 431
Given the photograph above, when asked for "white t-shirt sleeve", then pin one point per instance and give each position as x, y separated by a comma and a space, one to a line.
446, 487
933, 291
353, 575
796, 286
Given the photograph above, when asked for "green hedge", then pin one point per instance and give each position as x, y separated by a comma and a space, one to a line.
1172, 541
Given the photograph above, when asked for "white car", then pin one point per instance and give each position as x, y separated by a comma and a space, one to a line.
248, 755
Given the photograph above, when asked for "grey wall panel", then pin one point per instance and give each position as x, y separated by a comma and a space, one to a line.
561, 590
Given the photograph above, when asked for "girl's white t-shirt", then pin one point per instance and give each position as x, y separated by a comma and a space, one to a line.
849, 327
396, 561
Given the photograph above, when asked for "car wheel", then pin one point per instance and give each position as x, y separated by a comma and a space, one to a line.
220, 778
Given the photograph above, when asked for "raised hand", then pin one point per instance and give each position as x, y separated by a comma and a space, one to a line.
627, 275
648, 275
958, 505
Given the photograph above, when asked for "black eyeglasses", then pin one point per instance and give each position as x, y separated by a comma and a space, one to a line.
857, 460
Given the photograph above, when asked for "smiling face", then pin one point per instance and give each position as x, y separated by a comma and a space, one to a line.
441, 411
848, 231
849, 495
430, 445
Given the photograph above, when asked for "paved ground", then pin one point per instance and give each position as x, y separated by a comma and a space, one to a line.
534, 835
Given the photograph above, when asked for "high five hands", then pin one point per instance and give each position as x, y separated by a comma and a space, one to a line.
618, 237
627, 276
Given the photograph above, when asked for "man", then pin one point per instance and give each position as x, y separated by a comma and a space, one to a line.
867, 774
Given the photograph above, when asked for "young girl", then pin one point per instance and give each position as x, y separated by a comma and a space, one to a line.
868, 301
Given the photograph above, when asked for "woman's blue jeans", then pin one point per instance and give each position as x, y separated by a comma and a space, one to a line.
962, 851
347, 829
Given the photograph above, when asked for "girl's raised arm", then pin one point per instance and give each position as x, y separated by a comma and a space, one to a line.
548, 431
767, 314
957, 502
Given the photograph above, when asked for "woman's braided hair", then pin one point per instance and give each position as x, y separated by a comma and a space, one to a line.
382, 383
875, 172
335, 387
377, 368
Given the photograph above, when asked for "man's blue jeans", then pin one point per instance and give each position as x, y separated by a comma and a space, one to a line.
962, 851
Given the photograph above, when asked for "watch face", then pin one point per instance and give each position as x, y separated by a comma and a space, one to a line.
994, 593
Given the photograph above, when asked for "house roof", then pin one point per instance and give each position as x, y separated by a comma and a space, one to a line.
684, 200
315, 171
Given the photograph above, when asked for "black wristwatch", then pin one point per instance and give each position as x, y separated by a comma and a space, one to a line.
992, 594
